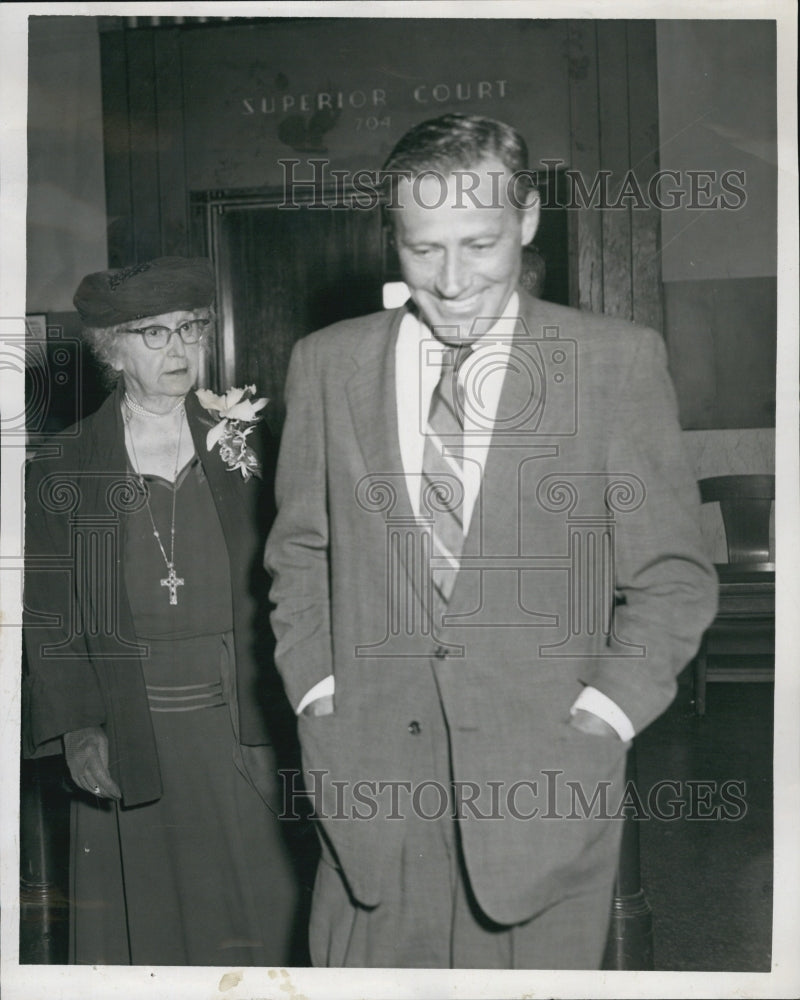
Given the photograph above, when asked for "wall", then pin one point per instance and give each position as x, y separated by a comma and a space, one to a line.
717, 116
66, 191
346, 90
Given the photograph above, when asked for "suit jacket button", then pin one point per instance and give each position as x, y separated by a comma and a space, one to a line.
414, 728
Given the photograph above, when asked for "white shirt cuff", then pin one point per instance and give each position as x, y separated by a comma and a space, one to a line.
594, 701
320, 689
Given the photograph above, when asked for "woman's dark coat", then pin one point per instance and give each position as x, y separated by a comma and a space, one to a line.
82, 658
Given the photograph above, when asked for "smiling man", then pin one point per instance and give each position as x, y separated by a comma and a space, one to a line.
487, 574
459, 246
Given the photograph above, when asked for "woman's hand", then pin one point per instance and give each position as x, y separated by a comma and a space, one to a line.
86, 751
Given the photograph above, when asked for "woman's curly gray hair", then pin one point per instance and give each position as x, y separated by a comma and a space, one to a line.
102, 341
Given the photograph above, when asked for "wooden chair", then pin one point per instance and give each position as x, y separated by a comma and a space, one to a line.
745, 622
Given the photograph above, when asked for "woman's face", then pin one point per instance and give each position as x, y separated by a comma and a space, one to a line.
168, 371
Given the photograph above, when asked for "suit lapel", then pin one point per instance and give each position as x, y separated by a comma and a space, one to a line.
372, 397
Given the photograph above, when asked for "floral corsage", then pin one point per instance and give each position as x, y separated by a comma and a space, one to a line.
237, 413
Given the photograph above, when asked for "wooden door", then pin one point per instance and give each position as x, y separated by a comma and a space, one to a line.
282, 273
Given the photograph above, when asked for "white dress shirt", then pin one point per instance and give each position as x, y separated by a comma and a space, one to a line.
417, 371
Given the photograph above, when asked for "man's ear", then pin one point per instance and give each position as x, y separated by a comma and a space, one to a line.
530, 216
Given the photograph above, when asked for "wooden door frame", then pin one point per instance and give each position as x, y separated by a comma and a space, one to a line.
206, 208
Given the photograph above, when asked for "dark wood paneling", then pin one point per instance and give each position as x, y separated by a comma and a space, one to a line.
116, 142
144, 145
615, 157
145, 186
614, 128
587, 223
648, 305
171, 161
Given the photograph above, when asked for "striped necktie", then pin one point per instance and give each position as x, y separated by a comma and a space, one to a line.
442, 477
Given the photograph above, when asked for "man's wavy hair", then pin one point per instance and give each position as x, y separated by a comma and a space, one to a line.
453, 142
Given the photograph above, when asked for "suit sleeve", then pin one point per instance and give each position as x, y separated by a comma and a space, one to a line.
297, 553
666, 584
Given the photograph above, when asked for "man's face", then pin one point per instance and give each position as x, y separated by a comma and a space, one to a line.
461, 259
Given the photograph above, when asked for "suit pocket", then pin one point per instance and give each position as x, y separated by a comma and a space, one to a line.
323, 743
592, 752
599, 742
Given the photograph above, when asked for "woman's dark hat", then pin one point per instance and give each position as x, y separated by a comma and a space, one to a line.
163, 285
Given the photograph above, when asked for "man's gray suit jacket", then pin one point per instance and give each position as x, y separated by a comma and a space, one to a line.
583, 565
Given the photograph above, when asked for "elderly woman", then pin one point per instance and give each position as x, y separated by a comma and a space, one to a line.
145, 647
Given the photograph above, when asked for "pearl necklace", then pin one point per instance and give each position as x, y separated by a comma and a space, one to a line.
136, 407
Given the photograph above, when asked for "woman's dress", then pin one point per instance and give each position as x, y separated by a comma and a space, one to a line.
203, 875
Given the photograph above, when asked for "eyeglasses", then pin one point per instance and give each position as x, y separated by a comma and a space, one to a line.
156, 337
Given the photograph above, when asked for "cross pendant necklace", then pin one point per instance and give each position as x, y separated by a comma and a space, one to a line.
171, 581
